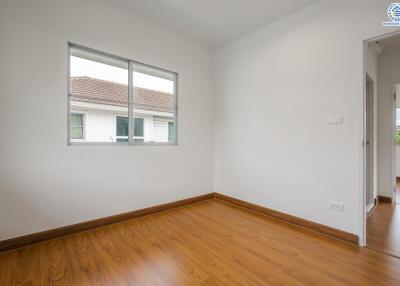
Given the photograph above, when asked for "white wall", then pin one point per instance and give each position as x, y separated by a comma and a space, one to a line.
100, 126
275, 90
46, 184
388, 75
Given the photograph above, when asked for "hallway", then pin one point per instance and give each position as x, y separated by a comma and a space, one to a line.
383, 227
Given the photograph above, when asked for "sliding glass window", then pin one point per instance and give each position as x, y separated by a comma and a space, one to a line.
116, 100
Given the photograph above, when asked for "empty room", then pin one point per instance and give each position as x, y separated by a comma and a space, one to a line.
167, 142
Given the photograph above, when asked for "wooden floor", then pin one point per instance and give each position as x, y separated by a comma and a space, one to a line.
208, 243
383, 227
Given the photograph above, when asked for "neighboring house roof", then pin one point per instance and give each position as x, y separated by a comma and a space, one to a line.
93, 90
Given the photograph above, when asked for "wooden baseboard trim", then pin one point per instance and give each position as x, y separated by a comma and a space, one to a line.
373, 208
384, 199
315, 227
29, 239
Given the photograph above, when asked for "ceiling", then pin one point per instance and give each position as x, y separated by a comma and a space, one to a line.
390, 43
213, 22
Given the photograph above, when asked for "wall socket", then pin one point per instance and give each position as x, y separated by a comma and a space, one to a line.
336, 206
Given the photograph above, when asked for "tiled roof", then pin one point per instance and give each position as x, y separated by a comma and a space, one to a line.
106, 92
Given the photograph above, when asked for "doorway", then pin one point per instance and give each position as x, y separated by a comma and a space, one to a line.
381, 138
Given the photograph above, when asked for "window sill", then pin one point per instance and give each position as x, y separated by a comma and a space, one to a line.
121, 144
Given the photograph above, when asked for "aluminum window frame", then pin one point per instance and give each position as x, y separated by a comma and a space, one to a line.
131, 63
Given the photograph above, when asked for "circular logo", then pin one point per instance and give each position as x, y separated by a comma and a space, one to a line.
394, 11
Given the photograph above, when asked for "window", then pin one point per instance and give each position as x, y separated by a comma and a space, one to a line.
123, 127
139, 129
153, 100
77, 126
171, 132
116, 100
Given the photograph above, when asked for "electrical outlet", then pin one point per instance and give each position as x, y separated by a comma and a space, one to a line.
335, 120
336, 206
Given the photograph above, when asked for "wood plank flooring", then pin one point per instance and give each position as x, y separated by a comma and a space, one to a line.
383, 227
207, 243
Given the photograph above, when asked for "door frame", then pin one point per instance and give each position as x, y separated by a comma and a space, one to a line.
363, 215
370, 142
394, 145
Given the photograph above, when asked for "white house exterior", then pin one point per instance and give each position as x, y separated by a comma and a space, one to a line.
99, 112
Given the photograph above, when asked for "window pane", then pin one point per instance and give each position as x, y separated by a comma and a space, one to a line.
139, 127
76, 133
171, 132
99, 88
76, 119
76, 126
99, 99
122, 126
153, 101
